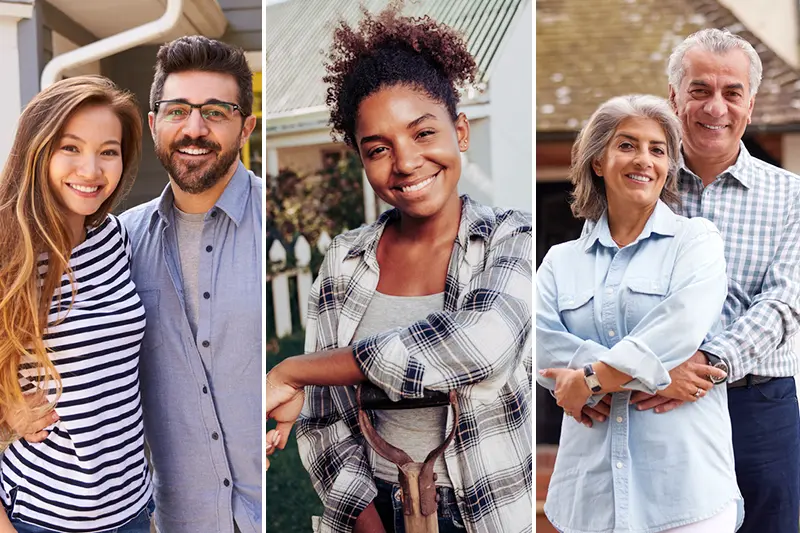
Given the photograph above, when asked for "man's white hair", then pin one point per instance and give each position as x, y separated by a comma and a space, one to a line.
718, 42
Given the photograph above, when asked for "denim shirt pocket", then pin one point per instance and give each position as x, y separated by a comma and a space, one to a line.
577, 312
643, 295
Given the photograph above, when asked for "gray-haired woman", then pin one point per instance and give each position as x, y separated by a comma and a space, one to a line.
617, 311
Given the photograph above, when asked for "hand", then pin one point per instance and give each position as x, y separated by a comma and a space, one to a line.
284, 403
659, 404
571, 390
690, 379
30, 423
598, 413
273, 438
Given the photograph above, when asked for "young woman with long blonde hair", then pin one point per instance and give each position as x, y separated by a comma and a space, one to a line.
70, 320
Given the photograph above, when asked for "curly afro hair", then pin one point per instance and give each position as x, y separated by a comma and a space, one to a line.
388, 50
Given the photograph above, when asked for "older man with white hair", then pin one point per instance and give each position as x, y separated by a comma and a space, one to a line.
713, 80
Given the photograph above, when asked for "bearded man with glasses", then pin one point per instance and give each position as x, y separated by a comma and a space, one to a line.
197, 265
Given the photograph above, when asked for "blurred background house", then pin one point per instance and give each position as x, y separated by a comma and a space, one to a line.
588, 52
35, 32
317, 188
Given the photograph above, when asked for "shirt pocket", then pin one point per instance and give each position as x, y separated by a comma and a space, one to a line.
152, 333
642, 296
577, 313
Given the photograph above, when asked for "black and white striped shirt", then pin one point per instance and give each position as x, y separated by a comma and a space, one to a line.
90, 474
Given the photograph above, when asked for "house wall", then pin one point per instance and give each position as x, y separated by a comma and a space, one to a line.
775, 26
10, 90
511, 127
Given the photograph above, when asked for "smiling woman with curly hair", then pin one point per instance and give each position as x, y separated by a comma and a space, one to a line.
435, 295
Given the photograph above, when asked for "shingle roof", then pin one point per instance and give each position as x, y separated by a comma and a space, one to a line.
300, 31
589, 51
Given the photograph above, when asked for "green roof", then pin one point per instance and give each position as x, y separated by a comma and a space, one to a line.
299, 32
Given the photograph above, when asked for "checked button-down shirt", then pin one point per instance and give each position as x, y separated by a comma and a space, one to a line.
479, 345
756, 207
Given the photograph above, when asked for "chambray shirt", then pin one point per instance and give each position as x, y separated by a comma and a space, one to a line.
643, 310
203, 423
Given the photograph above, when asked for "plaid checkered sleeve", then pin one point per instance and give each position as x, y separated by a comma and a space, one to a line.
480, 345
481, 342
333, 456
756, 206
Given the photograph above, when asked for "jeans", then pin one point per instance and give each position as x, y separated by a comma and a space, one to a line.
766, 446
390, 509
139, 524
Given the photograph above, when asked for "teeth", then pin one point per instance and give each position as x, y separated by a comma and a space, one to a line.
710, 127
640, 179
83, 188
194, 151
418, 186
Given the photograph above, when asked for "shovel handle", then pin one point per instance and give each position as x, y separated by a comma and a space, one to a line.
372, 397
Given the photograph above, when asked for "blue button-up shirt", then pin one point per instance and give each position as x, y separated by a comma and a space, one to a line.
642, 309
202, 423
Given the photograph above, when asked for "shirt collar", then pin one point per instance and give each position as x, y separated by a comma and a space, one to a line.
740, 170
476, 221
663, 221
232, 202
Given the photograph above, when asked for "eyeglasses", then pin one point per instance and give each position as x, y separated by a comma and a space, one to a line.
180, 110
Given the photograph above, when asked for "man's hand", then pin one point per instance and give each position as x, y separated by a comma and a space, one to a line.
571, 389
687, 379
30, 423
599, 413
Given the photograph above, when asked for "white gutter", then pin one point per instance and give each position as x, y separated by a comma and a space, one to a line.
113, 45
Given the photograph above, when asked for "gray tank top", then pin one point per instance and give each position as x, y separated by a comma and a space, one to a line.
417, 431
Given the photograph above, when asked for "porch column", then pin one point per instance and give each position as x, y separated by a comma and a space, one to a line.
10, 94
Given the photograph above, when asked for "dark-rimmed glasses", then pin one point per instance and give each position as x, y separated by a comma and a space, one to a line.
211, 111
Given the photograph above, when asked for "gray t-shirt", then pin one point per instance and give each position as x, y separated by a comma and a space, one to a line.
416, 431
189, 230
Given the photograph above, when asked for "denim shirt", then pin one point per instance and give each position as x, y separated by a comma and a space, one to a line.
203, 423
642, 309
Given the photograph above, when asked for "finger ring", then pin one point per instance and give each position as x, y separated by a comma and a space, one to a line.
698, 393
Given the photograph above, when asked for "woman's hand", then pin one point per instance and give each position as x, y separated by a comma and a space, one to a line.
284, 403
273, 437
30, 423
571, 389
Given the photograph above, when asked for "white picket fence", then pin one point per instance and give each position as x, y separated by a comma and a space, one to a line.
281, 297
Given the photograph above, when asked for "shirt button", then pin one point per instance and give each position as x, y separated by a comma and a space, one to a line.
213, 214
205, 389
206, 344
215, 436
609, 291
619, 419
209, 248
460, 493
206, 295
227, 482
611, 333
619, 464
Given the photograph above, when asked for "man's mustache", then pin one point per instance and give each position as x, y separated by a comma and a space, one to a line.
200, 142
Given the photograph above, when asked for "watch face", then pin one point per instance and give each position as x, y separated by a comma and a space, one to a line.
722, 366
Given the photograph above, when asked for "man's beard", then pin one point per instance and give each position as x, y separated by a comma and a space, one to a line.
189, 177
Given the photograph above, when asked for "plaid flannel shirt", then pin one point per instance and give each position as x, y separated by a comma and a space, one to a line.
756, 207
480, 345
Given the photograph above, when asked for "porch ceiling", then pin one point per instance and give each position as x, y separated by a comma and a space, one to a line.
103, 18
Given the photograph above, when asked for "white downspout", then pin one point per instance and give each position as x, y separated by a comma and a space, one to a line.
112, 45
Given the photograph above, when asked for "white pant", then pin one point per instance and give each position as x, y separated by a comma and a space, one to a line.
722, 522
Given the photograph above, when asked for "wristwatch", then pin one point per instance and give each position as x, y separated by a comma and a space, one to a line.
591, 379
717, 362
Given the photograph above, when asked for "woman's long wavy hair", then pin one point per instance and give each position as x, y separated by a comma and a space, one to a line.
33, 224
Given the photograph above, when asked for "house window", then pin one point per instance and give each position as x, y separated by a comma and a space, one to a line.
251, 152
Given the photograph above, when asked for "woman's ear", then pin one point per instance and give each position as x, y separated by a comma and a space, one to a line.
597, 166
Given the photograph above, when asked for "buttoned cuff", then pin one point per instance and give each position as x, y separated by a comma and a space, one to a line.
402, 378
636, 360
